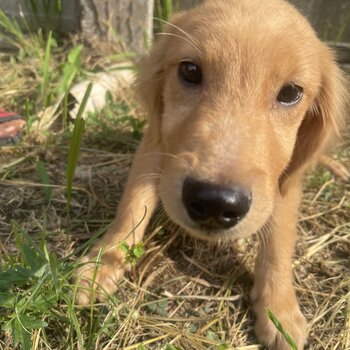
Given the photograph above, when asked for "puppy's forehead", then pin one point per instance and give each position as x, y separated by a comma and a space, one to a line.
242, 31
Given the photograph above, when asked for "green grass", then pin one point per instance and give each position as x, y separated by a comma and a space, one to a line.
163, 10
53, 71
74, 148
35, 283
30, 288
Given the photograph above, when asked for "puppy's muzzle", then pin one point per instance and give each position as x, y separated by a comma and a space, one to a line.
213, 206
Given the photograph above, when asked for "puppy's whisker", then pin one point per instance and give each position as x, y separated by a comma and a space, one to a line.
150, 176
262, 237
170, 155
190, 37
161, 154
181, 37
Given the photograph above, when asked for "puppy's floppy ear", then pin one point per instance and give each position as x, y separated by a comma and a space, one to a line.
149, 87
323, 121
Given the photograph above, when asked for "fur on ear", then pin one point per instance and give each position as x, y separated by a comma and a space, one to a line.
149, 88
323, 121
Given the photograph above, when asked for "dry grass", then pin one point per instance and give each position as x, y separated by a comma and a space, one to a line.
183, 293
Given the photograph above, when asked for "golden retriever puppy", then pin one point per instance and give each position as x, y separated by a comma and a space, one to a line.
242, 97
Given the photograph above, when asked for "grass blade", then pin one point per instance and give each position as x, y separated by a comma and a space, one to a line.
12, 27
280, 328
45, 180
74, 322
167, 9
163, 10
74, 148
46, 70
54, 271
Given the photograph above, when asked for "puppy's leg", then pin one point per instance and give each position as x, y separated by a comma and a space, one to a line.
135, 209
273, 287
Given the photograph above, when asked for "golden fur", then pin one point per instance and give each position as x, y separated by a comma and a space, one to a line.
231, 130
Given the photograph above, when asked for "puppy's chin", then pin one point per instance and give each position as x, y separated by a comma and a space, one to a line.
217, 236
244, 229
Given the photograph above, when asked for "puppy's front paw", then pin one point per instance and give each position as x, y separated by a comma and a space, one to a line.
97, 280
288, 313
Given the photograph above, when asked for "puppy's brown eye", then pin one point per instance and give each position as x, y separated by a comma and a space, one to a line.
290, 94
190, 73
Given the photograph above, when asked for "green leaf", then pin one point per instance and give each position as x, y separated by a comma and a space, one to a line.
43, 302
124, 247
71, 68
159, 307
133, 253
138, 250
21, 335
29, 322
280, 328
22, 238
7, 300
14, 275
31, 258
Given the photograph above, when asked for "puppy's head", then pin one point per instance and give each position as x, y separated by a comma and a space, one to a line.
239, 102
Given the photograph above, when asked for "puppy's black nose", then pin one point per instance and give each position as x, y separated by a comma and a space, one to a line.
214, 206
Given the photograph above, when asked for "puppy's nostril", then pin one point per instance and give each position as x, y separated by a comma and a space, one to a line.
197, 208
